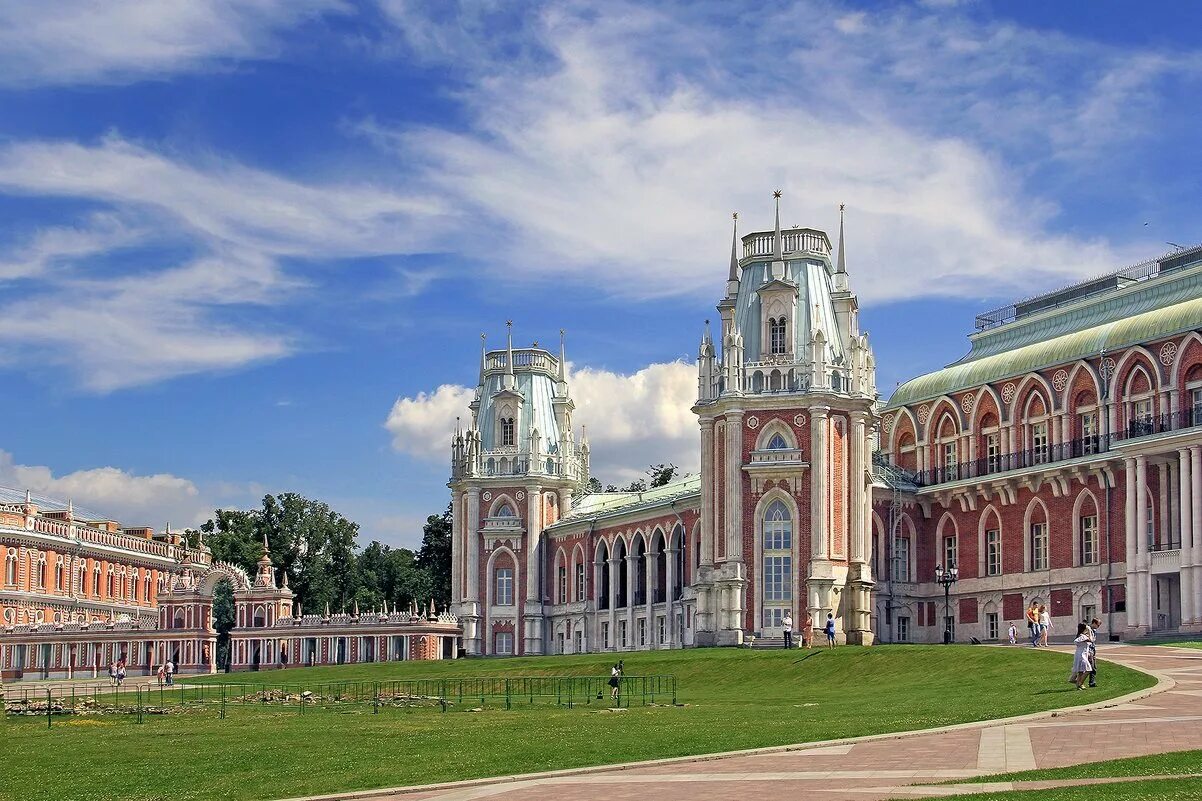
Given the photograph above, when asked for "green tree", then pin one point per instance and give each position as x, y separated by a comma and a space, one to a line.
434, 558
661, 474
223, 619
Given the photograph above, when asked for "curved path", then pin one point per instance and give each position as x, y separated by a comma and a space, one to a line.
1164, 718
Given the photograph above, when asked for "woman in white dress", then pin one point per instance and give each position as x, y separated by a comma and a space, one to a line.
1082, 664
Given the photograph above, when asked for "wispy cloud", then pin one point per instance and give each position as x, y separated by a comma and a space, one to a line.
115, 41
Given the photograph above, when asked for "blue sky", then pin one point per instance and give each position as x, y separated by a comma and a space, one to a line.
250, 247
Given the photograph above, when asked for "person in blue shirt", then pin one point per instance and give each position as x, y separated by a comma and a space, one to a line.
830, 630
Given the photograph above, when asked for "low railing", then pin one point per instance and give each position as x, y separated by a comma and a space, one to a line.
1060, 451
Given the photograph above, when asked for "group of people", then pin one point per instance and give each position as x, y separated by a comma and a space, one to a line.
166, 673
1039, 625
807, 630
117, 672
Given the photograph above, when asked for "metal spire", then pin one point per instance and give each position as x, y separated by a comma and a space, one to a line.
734, 250
778, 253
483, 350
841, 263
563, 358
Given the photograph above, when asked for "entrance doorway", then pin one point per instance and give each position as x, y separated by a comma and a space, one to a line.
1166, 602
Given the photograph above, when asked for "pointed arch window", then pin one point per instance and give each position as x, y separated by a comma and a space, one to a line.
777, 443
505, 511
776, 335
10, 568
507, 433
777, 527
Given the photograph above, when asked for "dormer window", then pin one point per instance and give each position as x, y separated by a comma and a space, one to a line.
507, 436
776, 335
777, 443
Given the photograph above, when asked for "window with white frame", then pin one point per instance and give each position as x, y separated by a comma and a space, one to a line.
1089, 539
1196, 405
578, 641
777, 443
503, 583
622, 634
776, 335
991, 626
1088, 612
1089, 432
507, 431
605, 634
1039, 442
642, 631
778, 563
949, 551
993, 552
903, 628
1039, 546
949, 461
901, 559
580, 581
503, 643
60, 573
40, 576
563, 584
1141, 417
993, 452
662, 625
10, 568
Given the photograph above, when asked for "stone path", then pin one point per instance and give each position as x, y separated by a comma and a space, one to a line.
1165, 719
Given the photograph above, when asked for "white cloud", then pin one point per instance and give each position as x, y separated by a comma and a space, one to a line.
615, 157
131, 499
112, 41
633, 420
162, 321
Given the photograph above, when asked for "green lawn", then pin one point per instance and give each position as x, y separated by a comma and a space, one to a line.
1174, 643
731, 699
1153, 790
1174, 763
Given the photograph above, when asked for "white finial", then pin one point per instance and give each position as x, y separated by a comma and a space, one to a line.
563, 358
841, 264
509, 347
778, 253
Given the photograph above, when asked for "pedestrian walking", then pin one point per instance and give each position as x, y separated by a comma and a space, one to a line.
807, 630
1013, 634
1033, 624
170, 670
113, 673
1082, 666
615, 676
120, 672
829, 628
1045, 625
787, 624
1094, 625
162, 675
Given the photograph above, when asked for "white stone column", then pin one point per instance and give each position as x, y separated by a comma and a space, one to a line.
819, 505
458, 549
471, 526
1141, 541
649, 575
631, 639
734, 486
1196, 526
534, 551
1186, 508
707, 492
1132, 537
612, 589
855, 479
670, 592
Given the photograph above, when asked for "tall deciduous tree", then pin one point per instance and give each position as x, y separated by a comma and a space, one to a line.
435, 556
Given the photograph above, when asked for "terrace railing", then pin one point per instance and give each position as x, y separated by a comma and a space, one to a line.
1135, 428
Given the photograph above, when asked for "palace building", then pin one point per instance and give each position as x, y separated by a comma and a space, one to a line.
1056, 463
80, 593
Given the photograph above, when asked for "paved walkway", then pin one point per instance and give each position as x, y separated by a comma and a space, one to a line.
1167, 719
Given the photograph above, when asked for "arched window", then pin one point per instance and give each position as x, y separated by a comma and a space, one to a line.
41, 571
776, 335
96, 579
505, 511
10, 568
507, 437
60, 573
777, 443
777, 527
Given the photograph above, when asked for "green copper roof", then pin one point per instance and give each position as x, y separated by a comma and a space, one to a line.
601, 505
1121, 333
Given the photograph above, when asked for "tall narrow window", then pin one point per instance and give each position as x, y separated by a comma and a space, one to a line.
41, 571
1039, 442
580, 581
1039, 546
993, 453
778, 563
776, 334
993, 552
1089, 432
949, 552
1141, 417
563, 584
901, 559
60, 574
503, 643
1196, 401
949, 461
1089, 539
507, 431
503, 580
10, 568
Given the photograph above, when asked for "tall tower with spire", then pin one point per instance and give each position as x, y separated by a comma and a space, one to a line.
785, 411
513, 473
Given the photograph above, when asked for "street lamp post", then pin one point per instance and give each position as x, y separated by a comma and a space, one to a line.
947, 578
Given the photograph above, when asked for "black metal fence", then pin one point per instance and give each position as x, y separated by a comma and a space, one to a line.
444, 695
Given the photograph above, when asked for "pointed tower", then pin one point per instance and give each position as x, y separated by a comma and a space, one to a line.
521, 468
785, 444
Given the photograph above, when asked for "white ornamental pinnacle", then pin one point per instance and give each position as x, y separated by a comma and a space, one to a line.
1060, 380
1008, 392
1168, 353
